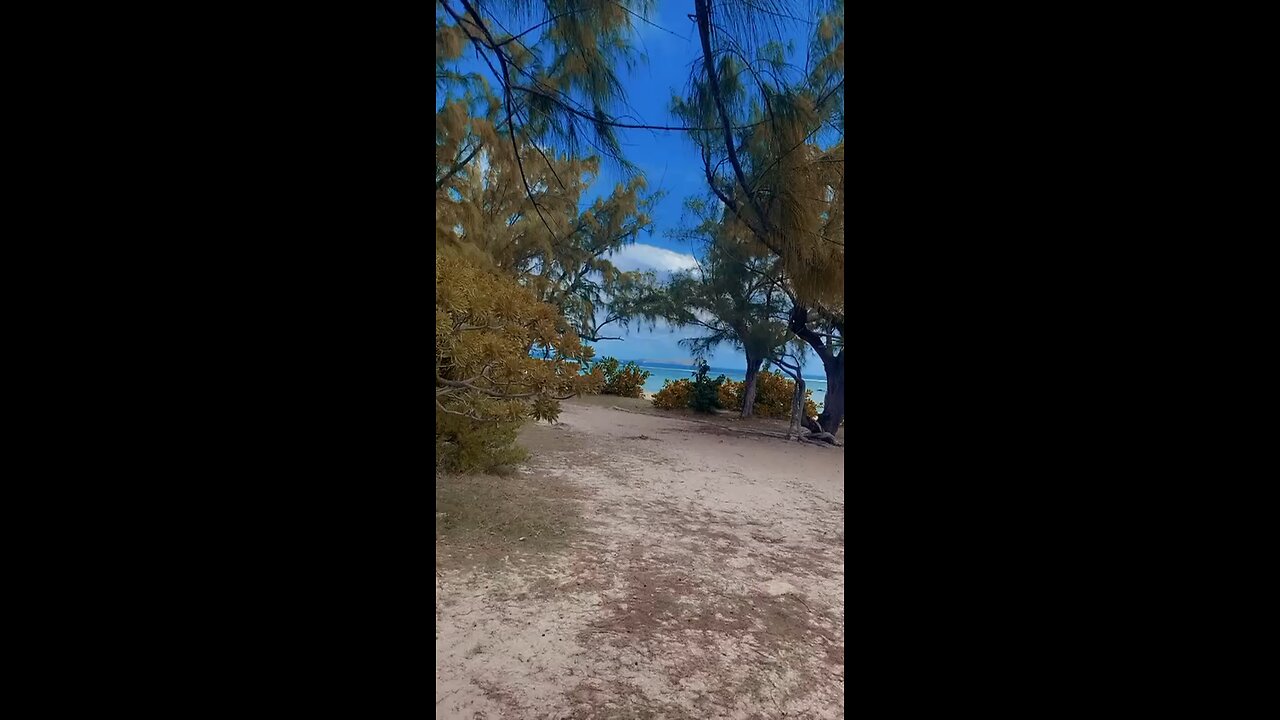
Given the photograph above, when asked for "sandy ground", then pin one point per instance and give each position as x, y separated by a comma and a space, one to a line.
708, 582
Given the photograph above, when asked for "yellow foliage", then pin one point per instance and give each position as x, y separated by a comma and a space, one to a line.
450, 40
774, 392
487, 382
773, 396
674, 395
731, 394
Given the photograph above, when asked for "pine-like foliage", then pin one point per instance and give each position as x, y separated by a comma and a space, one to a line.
733, 295
546, 239
621, 380
771, 137
487, 382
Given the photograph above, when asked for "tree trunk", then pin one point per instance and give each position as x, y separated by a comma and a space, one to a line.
797, 409
833, 406
749, 386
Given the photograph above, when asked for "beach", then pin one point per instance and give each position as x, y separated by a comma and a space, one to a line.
678, 566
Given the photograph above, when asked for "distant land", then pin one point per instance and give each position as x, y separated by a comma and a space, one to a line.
678, 363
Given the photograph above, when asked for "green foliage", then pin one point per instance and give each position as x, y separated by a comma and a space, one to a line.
553, 66
464, 445
624, 381
735, 295
705, 396
772, 143
523, 266
481, 206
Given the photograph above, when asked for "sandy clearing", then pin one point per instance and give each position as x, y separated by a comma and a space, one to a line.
708, 584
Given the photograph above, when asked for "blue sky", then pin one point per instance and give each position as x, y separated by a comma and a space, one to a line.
670, 162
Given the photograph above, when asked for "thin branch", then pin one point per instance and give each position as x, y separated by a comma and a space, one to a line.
459, 165
487, 391
444, 409
800, 326
702, 9
761, 175
614, 123
535, 27
515, 147
648, 22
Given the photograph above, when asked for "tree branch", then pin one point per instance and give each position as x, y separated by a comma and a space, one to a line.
506, 81
486, 391
614, 123
702, 9
460, 164
799, 325
535, 27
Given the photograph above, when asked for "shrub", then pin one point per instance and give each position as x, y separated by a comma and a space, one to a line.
464, 445
773, 396
705, 397
625, 381
773, 392
674, 395
487, 384
731, 394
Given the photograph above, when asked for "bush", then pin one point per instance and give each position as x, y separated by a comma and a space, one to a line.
487, 384
464, 445
625, 381
674, 395
731, 394
705, 397
773, 396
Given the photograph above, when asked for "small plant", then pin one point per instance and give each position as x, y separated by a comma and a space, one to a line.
705, 397
624, 381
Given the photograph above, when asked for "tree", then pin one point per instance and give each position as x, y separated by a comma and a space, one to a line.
577, 275
773, 154
519, 268
552, 81
732, 294
791, 364
483, 207
823, 330
510, 176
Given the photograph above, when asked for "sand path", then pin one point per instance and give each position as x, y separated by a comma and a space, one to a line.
708, 583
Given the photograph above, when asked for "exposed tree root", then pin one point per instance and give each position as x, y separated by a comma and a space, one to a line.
825, 439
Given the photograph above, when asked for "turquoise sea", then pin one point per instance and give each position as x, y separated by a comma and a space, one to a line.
660, 372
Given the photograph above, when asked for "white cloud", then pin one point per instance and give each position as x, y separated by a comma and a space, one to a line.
651, 257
